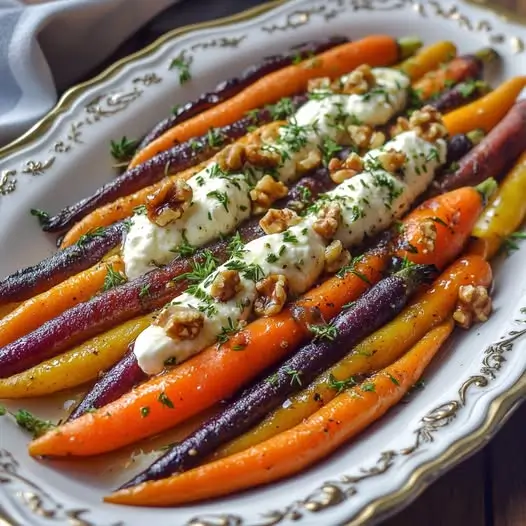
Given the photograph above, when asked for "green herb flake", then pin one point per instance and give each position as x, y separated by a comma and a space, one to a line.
295, 376
326, 331
113, 278
184, 249
182, 63
145, 411
92, 234
123, 149
393, 379
510, 244
163, 398
221, 197
341, 385
29, 422
43, 217
369, 386
145, 291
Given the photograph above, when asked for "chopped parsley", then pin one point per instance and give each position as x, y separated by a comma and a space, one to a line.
341, 385
221, 197
92, 234
26, 420
43, 217
145, 411
326, 331
282, 109
215, 137
289, 237
140, 210
466, 89
510, 244
123, 149
226, 332
182, 64
393, 379
273, 379
184, 249
201, 268
145, 291
163, 398
113, 278
369, 386
329, 148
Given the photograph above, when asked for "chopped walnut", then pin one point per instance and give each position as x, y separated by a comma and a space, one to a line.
339, 170
272, 295
180, 322
232, 157
428, 235
262, 155
474, 304
392, 161
270, 132
169, 202
401, 126
313, 160
336, 257
276, 221
329, 218
428, 124
377, 139
266, 191
319, 83
364, 137
225, 285
359, 81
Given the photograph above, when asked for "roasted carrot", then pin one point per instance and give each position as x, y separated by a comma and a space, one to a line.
77, 366
124, 206
504, 214
427, 59
375, 50
435, 232
375, 352
485, 113
6, 309
34, 312
293, 450
457, 70
212, 375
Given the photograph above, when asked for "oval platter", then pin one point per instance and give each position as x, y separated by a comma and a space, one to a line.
471, 387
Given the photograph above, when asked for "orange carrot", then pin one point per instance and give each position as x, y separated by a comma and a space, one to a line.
303, 445
435, 232
212, 375
32, 313
485, 113
375, 50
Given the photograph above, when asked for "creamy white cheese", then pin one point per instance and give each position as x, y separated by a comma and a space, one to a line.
369, 203
148, 244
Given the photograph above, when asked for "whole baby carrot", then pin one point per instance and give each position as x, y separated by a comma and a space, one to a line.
294, 450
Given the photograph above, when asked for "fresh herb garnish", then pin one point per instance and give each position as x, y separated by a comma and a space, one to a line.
113, 278
145, 291
510, 244
43, 217
182, 64
215, 137
92, 234
184, 249
351, 268
163, 398
122, 150
236, 247
295, 376
341, 385
282, 109
326, 331
201, 268
273, 379
145, 411
26, 420
222, 197
226, 332
369, 386
393, 379
329, 148
140, 210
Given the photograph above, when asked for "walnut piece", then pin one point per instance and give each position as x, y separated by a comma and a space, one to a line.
266, 191
231, 158
474, 304
328, 221
262, 155
336, 257
340, 170
365, 137
428, 124
169, 202
313, 160
180, 322
392, 161
318, 83
276, 221
225, 285
359, 81
401, 126
272, 295
428, 235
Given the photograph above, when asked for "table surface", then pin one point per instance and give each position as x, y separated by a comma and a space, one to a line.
489, 489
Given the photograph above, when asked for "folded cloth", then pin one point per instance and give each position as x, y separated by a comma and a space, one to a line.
50, 44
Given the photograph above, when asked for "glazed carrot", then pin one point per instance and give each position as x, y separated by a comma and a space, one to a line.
504, 214
124, 206
379, 350
212, 375
435, 232
34, 312
458, 69
375, 50
77, 366
485, 113
427, 59
293, 450
6, 309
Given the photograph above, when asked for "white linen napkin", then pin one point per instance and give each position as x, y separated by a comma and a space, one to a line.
49, 43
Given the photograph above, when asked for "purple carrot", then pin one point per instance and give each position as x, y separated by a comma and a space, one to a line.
331, 343
233, 86
90, 248
176, 159
459, 95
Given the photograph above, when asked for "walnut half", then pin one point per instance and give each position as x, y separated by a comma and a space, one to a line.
272, 295
225, 285
266, 191
276, 221
328, 221
474, 304
169, 202
180, 322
